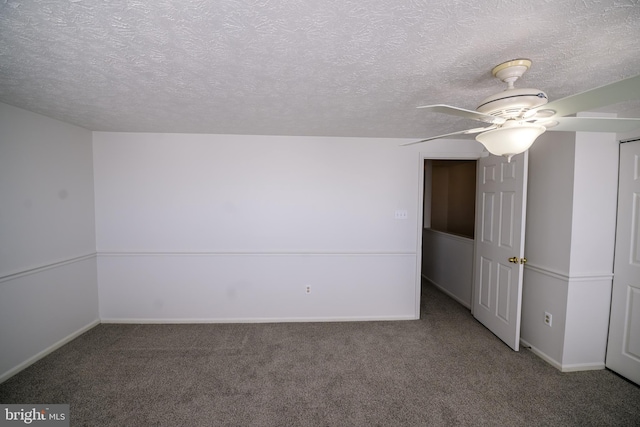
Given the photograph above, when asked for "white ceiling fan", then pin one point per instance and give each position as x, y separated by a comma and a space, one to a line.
516, 117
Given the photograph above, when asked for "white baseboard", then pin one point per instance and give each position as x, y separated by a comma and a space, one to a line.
464, 303
254, 320
582, 367
542, 355
30, 361
559, 366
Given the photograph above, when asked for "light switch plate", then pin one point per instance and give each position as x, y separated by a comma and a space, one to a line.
401, 214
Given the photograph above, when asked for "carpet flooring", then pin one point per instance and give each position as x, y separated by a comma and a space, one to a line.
445, 369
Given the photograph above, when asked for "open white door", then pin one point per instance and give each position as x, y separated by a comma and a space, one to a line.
499, 245
623, 348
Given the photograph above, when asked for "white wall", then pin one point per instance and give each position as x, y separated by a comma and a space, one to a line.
548, 243
48, 288
592, 249
448, 264
569, 247
550, 202
234, 228
595, 198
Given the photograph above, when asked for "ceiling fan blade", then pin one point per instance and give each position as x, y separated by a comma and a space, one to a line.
592, 124
462, 132
623, 90
468, 114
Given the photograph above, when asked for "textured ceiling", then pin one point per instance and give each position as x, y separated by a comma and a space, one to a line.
301, 67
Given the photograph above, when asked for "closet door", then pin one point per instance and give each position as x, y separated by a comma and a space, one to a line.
623, 348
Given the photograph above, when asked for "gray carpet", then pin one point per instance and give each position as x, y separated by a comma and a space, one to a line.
445, 369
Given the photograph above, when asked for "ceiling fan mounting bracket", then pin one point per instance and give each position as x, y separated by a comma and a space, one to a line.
511, 71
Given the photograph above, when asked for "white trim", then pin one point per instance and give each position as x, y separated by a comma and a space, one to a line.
419, 238
44, 267
452, 296
591, 277
33, 359
541, 355
583, 367
253, 320
582, 277
125, 253
451, 236
547, 272
559, 366
453, 156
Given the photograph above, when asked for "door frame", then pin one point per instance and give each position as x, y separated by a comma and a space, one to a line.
608, 360
422, 156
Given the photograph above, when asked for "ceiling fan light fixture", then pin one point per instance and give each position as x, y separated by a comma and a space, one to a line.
510, 139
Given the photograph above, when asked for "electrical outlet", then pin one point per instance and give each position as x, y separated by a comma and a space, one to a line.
548, 318
308, 290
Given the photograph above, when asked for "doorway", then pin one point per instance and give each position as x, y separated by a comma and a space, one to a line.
488, 268
449, 195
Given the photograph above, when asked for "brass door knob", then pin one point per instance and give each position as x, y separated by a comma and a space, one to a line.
514, 259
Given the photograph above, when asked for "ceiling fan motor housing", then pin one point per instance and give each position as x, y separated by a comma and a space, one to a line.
512, 103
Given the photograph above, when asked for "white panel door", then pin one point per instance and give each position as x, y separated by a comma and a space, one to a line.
499, 245
623, 348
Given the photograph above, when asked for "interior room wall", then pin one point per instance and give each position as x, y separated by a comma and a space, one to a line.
447, 262
453, 196
427, 193
462, 198
439, 196
593, 246
569, 247
235, 228
548, 244
48, 282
